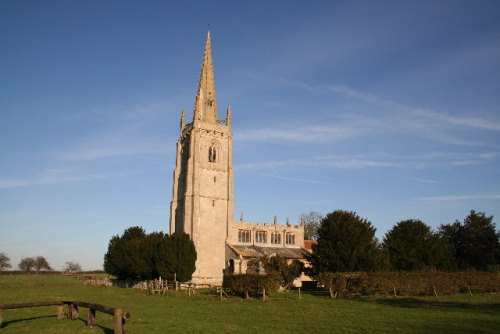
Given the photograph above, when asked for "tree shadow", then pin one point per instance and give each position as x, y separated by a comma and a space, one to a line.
440, 305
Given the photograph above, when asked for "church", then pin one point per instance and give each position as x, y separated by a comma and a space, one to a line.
203, 197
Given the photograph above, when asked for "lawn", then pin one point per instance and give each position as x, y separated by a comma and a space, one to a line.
281, 313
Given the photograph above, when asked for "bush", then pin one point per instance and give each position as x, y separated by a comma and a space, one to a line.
247, 285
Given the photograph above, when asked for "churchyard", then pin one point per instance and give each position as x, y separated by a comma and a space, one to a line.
203, 312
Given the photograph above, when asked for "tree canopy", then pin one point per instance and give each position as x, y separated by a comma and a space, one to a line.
4, 261
38, 263
346, 242
136, 254
41, 263
281, 270
473, 243
412, 245
72, 267
311, 221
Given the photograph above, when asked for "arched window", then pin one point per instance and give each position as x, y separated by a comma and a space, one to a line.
276, 238
212, 154
290, 239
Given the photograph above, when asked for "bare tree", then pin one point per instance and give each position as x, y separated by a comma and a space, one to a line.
311, 221
4, 261
41, 264
71, 267
27, 264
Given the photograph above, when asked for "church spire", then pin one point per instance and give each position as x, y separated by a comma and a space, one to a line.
205, 106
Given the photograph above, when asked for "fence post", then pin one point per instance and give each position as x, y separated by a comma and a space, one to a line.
72, 311
91, 318
60, 311
299, 294
118, 321
330, 292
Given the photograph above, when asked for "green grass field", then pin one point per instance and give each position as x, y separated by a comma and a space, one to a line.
282, 313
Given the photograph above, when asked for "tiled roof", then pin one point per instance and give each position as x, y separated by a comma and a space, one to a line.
308, 244
255, 251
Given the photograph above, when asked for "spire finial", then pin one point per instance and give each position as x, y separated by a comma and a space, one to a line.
205, 108
183, 120
228, 116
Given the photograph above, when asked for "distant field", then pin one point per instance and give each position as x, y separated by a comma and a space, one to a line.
282, 313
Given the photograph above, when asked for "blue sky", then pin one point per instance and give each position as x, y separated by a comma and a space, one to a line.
391, 110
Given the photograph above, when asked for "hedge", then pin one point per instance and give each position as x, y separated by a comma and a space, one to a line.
425, 283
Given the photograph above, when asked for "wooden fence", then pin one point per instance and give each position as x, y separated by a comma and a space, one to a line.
119, 315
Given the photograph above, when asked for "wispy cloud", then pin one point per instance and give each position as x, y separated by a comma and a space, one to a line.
300, 133
376, 160
375, 116
453, 198
295, 179
109, 150
55, 176
470, 122
423, 180
327, 161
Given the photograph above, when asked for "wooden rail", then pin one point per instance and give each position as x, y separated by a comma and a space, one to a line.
119, 315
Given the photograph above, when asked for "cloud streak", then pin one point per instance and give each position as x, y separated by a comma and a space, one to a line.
377, 117
376, 160
454, 198
55, 176
111, 151
469, 122
300, 133
295, 179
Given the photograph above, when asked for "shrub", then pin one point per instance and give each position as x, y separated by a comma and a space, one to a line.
251, 284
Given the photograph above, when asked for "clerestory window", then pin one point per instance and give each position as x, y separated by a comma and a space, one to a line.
244, 236
261, 237
276, 238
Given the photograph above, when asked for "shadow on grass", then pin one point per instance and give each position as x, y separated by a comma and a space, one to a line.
439, 305
7, 323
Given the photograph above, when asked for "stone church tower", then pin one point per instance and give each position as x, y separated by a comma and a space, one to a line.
203, 199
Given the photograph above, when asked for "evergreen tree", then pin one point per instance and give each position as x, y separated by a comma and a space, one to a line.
127, 255
411, 245
136, 254
346, 242
182, 256
474, 243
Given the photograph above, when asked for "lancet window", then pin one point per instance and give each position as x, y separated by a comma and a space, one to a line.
212, 154
290, 239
